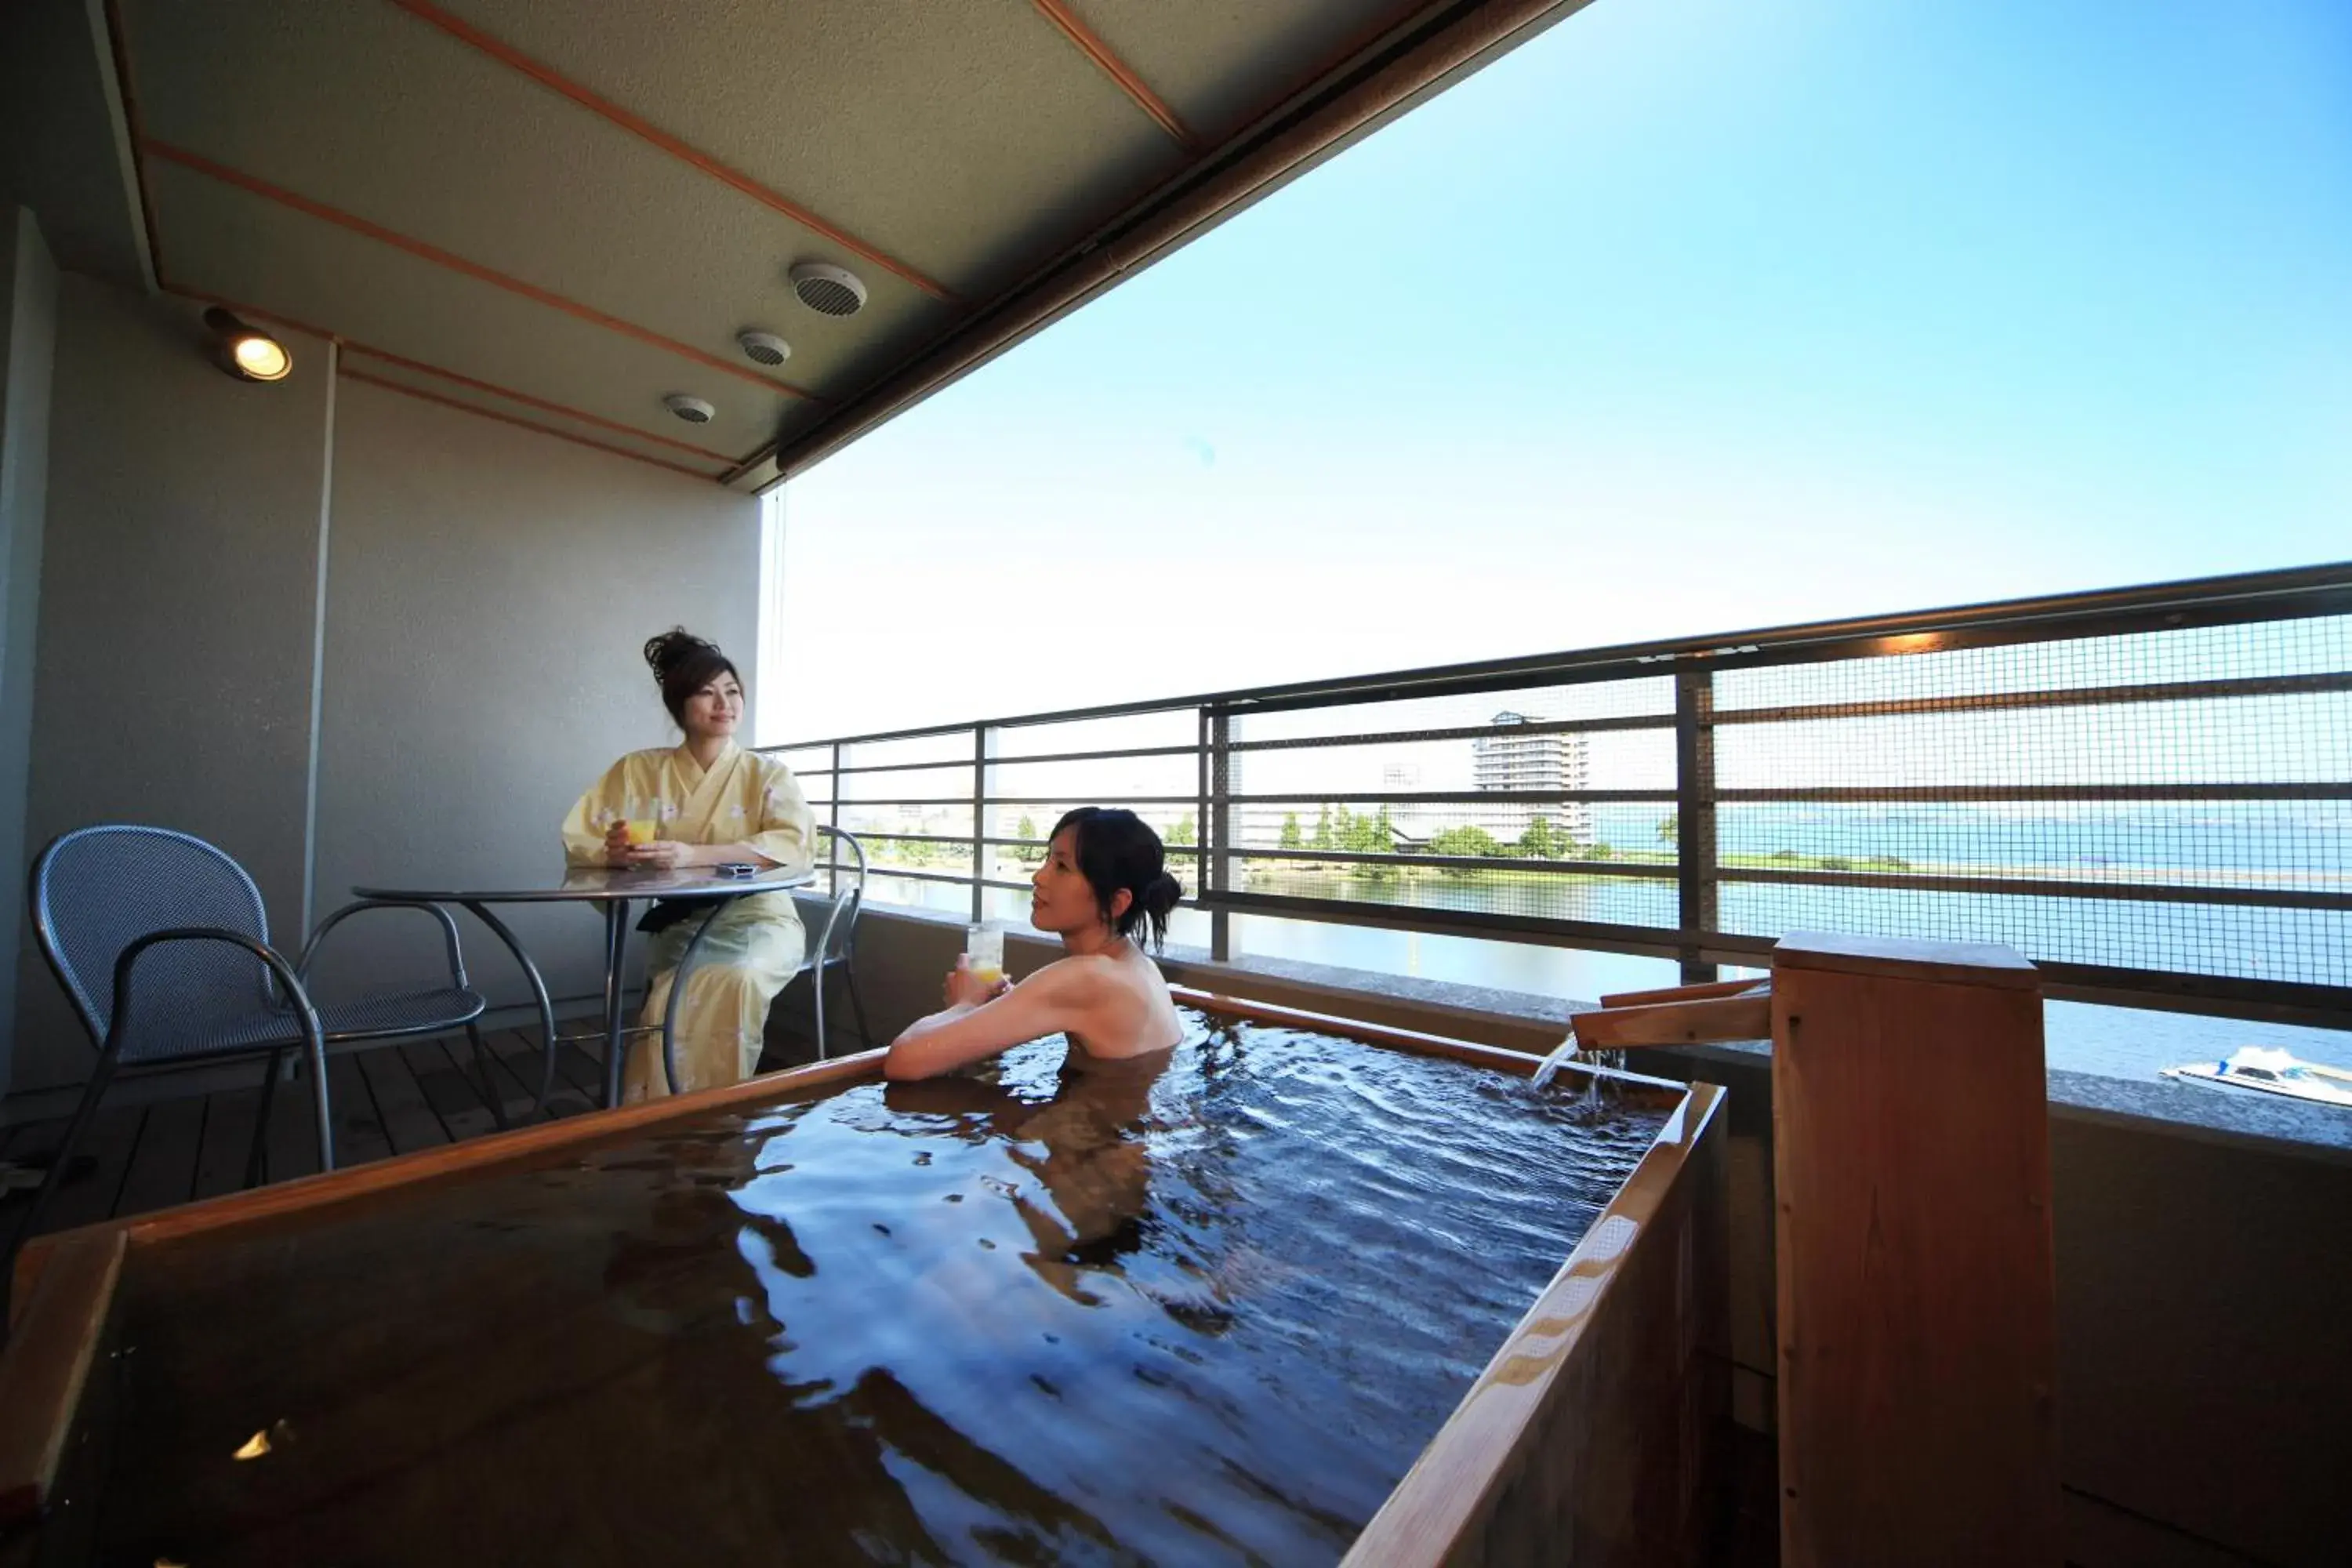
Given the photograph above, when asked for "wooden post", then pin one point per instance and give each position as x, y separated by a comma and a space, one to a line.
1918, 1320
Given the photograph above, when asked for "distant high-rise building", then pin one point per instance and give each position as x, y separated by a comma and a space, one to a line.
1411, 821
1544, 760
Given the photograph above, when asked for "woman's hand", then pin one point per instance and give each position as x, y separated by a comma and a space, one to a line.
965, 989
661, 855
616, 846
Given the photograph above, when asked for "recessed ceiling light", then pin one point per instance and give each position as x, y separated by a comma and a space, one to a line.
244, 353
826, 289
693, 410
763, 348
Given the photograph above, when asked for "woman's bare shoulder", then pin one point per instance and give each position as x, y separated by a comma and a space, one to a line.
1098, 978
1076, 973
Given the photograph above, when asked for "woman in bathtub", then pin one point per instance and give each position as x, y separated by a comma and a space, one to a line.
1103, 888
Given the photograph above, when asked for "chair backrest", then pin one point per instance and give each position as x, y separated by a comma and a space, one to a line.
98, 889
838, 940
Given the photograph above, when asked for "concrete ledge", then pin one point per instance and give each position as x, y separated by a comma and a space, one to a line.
2237, 1118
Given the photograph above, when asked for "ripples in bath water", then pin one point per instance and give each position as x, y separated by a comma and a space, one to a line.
1199, 1309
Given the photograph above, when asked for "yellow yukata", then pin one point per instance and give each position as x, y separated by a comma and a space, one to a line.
756, 943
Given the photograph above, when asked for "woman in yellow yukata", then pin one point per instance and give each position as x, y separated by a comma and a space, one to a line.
704, 803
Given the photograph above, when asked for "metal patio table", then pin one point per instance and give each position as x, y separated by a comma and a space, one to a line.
615, 890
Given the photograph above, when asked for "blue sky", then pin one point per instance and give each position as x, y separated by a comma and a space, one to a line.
1689, 316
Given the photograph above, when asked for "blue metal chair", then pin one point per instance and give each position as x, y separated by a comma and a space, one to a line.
162, 944
835, 948
836, 943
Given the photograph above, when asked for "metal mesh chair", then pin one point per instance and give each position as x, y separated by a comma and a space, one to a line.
836, 944
835, 948
160, 943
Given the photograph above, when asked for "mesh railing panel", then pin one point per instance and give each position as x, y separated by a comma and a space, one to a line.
1602, 699
1476, 805
805, 762
2243, 650
921, 751
1128, 732
2175, 801
952, 783
2011, 788
1114, 779
1531, 895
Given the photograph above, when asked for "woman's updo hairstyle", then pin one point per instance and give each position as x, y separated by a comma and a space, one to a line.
1118, 850
684, 663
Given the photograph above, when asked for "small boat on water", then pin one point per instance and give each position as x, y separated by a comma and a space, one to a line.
2273, 1072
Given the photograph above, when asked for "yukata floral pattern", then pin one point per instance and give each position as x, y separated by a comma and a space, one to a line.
756, 943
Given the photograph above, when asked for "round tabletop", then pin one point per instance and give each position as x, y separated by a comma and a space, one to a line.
597, 884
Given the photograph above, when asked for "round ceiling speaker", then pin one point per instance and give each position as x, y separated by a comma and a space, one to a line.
693, 410
763, 348
827, 290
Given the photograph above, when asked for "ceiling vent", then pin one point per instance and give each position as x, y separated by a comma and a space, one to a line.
763, 348
693, 410
827, 290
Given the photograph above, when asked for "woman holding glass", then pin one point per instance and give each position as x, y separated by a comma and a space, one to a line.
1103, 889
704, 803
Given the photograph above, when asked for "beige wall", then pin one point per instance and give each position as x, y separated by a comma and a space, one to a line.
28, 315
489, 591
486, 592
2202, 1290
178, 572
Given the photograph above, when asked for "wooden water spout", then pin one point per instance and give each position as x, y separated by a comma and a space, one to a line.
1684, 1015
1918, 1317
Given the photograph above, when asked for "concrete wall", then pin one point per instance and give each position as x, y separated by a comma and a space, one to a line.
29, 309
490, 592
466, 665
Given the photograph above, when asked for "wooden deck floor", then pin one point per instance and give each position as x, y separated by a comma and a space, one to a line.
388, 1100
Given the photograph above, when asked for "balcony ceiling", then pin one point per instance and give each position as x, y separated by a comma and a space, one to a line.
561, 213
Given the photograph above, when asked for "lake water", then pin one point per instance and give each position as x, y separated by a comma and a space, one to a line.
2116, 1042
2261, 841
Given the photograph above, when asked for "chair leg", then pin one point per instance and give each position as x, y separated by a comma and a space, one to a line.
489, 1079
51, 1179
257, 1159
319, 1107
822, 1043
849, 973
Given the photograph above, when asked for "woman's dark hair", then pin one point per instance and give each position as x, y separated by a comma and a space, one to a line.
683, 665
1115, 850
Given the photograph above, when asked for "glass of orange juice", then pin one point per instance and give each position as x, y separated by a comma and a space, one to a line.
983, 950
640, 830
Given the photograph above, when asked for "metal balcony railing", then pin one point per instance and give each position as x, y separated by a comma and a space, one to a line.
2149, 791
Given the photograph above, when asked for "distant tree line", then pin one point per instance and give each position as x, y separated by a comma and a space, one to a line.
1339, 830
1342, 831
